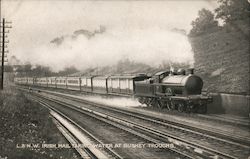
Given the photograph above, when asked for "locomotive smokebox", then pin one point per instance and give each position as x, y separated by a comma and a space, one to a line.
193, 85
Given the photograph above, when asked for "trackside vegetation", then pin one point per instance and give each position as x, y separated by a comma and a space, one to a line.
24, 123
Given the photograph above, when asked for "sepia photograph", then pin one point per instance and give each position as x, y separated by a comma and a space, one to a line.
125, 79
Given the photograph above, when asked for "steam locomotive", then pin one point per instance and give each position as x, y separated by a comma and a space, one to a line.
174, 91
169, 89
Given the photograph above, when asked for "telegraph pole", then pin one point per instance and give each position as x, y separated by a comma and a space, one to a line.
3, 48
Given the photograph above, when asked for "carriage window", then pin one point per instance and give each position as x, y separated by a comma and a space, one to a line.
73, 81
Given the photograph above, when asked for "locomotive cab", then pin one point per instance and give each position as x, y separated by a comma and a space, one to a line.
158, 77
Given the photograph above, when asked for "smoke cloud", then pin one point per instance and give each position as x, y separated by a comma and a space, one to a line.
106, 46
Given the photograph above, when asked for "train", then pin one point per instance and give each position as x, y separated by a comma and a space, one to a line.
174, 90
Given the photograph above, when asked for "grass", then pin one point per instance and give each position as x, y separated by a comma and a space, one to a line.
25, 122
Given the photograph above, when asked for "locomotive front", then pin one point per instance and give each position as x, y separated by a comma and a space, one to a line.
173, 90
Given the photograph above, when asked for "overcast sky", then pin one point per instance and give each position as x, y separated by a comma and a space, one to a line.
138, 30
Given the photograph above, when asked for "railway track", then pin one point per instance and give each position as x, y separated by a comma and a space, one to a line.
211, 132
209, 117
78, 137
130, 133
244, 122
198, 148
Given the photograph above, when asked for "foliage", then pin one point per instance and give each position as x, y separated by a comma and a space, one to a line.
229, 11
42, 71
26, 122
29, 70
232, 10
67, 71
204, 22
7, 68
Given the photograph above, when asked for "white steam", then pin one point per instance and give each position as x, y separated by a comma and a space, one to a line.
149, 46
114, 101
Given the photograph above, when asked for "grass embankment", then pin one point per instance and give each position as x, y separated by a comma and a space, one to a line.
26, 122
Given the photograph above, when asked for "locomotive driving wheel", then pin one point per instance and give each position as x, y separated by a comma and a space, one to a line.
181, 107
171, 105
141, 100
147, 101
168, 105
190, 107
152, 102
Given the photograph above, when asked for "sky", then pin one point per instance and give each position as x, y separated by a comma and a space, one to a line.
108, 31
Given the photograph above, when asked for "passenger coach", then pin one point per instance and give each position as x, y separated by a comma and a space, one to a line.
123, 84
73, 83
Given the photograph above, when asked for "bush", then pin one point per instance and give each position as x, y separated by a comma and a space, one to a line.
25, 122
203, 23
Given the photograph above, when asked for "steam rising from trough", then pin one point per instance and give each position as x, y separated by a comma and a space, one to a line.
106, 46
114, 101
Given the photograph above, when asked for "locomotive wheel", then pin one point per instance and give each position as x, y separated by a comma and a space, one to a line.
191, 108
141, 100
161, 104
188, 109
151, 102
154, 102
181, 107
168, 105
147, 101
171, 105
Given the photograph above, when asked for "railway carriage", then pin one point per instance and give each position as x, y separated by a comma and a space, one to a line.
30, 81
123, 84
100, 84
17, 80
52, 82
21, 80
24, 81
86, 83
61, 82
113, 84
42, 81
73, 83
36, 81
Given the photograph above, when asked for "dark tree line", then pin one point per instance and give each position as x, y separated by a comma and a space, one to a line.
42, 71
229, 12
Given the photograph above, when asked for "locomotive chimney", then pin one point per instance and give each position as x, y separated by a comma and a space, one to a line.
191, 71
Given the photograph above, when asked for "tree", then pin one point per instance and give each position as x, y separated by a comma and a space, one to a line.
8, 68
204, 22
41, 71
67, 71
231, 10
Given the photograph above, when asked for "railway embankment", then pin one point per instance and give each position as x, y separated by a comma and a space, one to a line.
26, 127
222, 60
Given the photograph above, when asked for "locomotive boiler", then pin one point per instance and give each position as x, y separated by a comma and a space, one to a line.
173, 90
